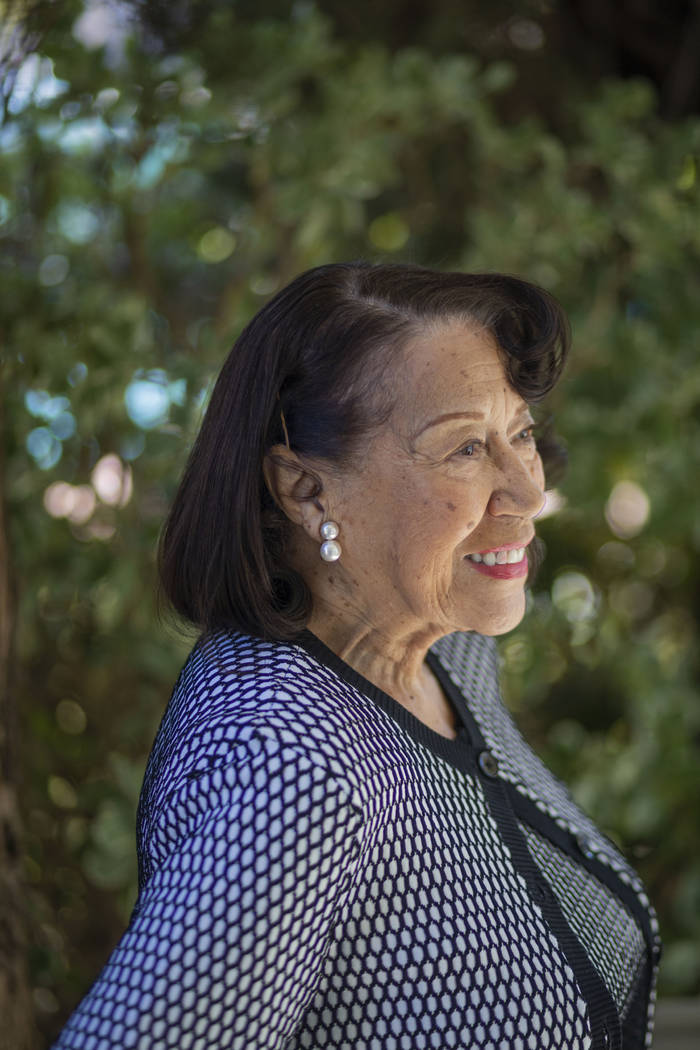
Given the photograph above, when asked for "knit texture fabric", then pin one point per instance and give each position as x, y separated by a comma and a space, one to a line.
320, 869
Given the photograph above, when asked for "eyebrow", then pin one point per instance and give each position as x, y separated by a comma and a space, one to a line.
449, 417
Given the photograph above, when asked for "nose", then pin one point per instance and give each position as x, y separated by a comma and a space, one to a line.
518, 486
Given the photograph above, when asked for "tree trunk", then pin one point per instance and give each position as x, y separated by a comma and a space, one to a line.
17, 1031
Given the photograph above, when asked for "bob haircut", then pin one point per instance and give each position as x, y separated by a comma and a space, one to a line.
319, 357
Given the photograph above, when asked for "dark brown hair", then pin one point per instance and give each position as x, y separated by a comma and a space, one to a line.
319, 352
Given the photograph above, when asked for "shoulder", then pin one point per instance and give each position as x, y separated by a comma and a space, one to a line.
250, 683
245, 717
236, 690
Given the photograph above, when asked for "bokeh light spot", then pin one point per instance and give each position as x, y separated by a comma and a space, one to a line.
686, 179
104, 24
112, 480
84, 136
99, 530
264, 284
77, 373
106, 98
389, 232
177, 391
45, 1001
216, 245
196, 96
627, 509
53, 270
573, 594
525, 34
70, 717
35, 402
35, 82
84, 503
633, 599
132, 446
59, 499
63, 426
147, 400
44, 447
74, 502
41, 404
77, 222
615, 556
61, 793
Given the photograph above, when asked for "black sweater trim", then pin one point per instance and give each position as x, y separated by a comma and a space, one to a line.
603, 1013
530, 814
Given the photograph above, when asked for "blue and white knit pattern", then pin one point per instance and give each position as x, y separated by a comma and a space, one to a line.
319, 869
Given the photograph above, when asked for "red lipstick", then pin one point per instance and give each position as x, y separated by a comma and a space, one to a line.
501, 572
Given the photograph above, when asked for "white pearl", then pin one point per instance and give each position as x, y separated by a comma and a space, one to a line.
329, 530
330, 550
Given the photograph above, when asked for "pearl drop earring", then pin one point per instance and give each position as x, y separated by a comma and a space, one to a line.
330, 550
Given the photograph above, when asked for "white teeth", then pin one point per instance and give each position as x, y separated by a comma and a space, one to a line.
511, 557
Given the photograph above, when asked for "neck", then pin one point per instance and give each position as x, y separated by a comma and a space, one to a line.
394, 662
382, 641
371, 652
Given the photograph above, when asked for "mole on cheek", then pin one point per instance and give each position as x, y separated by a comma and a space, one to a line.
450, 506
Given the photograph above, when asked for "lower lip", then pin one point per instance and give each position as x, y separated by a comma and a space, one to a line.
501, 572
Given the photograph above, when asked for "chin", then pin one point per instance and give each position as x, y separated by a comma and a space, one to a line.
497, 621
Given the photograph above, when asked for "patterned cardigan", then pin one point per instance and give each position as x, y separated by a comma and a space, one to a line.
319, 869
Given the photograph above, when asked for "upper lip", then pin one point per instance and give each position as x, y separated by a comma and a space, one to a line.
506, 546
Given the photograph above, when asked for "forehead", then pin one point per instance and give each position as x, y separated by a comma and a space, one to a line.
452, 367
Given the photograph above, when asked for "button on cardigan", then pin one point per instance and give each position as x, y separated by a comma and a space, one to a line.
320, 869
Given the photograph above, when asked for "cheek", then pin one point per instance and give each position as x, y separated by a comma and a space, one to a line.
428, 522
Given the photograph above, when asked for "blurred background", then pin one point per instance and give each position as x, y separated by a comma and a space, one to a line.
164, 168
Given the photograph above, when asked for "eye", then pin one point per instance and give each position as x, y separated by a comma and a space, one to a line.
471, 449
526, 435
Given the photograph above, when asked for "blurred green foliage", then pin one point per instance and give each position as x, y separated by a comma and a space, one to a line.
149, 202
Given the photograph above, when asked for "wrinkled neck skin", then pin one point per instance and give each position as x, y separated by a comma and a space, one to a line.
393, 660
389, 654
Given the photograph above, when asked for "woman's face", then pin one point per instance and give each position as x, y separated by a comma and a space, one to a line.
453, 474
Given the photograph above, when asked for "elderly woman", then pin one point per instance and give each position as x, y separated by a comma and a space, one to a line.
344, 841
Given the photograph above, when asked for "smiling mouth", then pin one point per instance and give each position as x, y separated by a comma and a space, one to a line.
503, 556
501, 563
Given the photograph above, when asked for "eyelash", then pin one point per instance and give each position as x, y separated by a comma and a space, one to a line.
526, 436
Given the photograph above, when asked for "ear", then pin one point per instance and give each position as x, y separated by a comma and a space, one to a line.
295, 488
